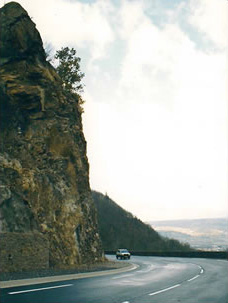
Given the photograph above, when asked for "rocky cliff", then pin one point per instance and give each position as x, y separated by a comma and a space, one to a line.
44, 172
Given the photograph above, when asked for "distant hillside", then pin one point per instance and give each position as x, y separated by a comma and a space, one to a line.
120, 229
205, 234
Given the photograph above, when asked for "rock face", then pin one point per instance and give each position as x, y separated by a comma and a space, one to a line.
44, 172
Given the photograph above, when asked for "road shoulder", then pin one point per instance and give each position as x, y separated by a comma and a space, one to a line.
56, 278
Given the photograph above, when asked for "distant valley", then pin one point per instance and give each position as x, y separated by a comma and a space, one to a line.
205, 234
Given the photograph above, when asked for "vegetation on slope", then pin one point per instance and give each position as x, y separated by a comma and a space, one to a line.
120, 229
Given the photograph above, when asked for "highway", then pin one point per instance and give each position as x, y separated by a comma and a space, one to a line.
152, 279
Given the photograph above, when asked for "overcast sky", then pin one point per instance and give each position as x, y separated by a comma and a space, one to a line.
156, 99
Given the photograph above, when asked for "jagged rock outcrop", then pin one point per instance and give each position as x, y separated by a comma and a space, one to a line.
44, 172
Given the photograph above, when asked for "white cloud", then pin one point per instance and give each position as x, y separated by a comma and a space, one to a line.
131, 14
166, 129
152, 57
210, 17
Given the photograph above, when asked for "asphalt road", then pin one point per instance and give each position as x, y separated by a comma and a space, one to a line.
154, 279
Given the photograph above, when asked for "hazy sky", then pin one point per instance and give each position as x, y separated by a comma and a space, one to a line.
156, 99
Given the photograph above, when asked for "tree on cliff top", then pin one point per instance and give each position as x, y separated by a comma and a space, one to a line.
69, 69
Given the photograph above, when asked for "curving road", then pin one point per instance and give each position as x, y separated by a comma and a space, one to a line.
153, 279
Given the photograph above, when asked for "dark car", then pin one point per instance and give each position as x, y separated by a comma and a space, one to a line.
123, 253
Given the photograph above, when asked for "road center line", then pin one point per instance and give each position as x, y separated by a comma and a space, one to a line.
193, 278
38, 289
165, 289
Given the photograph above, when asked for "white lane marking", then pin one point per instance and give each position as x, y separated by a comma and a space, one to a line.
134, 266
145, 270
197, 276
193, 278
122, 276
165, 289
38, 289
201, 269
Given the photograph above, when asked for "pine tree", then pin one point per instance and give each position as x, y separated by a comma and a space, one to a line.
69, 69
